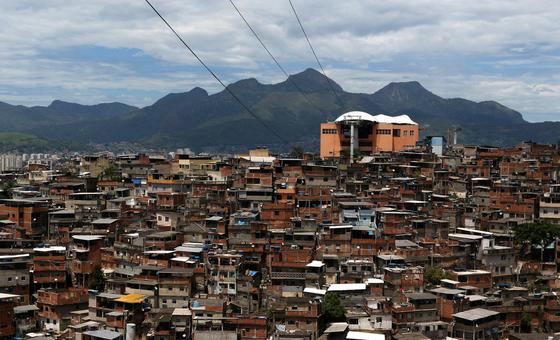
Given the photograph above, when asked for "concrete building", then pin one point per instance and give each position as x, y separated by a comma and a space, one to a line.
549, 205
32, 215
55, 306
49, 267
7, 304
477, 323
358, 132
10, 162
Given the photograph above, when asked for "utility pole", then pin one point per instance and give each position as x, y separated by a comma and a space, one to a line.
125, 318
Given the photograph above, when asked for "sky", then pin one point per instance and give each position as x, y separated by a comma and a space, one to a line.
104, 50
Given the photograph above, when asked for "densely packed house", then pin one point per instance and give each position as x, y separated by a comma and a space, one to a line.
406, 244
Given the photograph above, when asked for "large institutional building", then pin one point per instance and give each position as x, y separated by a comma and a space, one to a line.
358, 132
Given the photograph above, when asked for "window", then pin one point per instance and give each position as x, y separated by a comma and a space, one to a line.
329, 131
396, 132
383, 131
253, 180
405, 132
411, 133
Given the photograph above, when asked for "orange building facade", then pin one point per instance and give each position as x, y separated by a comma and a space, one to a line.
370, 134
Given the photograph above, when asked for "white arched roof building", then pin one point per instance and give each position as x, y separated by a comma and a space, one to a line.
363, 133
381, 118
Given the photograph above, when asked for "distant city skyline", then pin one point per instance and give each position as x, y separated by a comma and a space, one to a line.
103, 51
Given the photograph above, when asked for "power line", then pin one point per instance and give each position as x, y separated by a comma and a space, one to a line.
272, 56
313, 51
216, 77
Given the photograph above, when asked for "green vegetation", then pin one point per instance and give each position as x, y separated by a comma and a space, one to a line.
525, 323
20, 141
334, 311
111, 172
297, 152
536, 235
96, 279
197, 119
434, 275
6, 189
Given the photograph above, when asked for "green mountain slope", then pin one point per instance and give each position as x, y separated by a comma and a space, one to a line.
22, 118
199, 120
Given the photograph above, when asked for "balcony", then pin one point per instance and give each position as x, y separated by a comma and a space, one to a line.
174, 281
50, 268
82, 267
48, 315
53, 258
312, 276
363, 252
288, 276
51, 278
301, 313
65, 297
222, 278
342, 237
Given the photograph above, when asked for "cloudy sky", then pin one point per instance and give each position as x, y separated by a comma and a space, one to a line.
107, 50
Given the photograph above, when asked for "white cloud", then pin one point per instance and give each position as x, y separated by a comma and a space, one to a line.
445, 44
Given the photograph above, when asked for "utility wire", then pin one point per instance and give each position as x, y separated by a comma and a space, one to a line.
313, 51
263, 123
274, 58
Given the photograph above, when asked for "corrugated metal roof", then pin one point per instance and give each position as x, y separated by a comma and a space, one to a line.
341, 287
103, 334
475, 314
132, 298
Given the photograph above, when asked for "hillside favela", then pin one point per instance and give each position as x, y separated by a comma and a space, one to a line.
287, 170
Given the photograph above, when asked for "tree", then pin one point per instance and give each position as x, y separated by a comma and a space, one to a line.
537, 234
6, 189
334, 311
525, 323
296, 152
96, 279
110, 172
434, 275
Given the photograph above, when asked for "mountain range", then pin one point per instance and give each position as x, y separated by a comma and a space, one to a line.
200, 121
